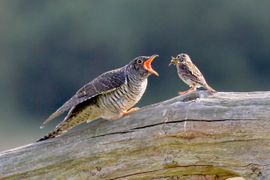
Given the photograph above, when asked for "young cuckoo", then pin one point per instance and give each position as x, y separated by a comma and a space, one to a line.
109, 96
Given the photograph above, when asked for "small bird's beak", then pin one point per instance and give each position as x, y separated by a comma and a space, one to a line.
148, 67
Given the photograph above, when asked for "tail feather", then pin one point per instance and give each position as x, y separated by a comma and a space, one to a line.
53, 134
75, 117
60, 129
209, 88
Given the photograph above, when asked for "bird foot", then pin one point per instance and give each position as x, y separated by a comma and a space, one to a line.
185, 92
130, 111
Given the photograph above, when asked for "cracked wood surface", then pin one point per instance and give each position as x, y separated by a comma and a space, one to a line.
212, 137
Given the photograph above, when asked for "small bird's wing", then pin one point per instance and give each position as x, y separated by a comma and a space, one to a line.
104, 83
194, 74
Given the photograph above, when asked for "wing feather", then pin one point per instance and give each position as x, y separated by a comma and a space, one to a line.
104, 83
193, 73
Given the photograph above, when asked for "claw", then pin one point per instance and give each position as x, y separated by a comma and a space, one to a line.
184, 92
188, 91
132, 110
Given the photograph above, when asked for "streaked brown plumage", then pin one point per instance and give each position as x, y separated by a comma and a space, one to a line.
110, 96
189, 73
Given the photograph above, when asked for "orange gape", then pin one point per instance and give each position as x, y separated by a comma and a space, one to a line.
147, 65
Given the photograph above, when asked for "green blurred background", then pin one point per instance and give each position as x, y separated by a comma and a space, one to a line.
49, 49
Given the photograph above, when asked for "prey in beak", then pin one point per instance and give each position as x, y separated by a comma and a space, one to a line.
148, 65
174, 61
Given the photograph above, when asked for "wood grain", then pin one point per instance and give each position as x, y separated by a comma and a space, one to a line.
194, 136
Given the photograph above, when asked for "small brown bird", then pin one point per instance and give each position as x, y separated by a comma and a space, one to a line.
189, 73
109, 96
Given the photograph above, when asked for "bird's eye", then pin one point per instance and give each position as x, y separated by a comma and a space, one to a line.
139, 61
183, 55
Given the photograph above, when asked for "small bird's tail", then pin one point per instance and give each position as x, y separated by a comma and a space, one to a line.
210, 89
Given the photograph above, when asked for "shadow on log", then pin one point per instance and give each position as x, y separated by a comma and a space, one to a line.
195, 136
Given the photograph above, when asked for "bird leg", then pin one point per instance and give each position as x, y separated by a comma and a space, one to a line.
193, 88
130, 111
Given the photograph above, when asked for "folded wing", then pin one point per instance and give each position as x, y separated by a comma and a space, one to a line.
104, 83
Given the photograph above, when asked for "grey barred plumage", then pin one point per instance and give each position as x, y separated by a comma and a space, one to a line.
122, 99
110, 96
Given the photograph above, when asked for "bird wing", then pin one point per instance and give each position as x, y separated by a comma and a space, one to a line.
194, 74
104, 83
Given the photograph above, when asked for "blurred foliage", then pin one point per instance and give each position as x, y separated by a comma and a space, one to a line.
49, 49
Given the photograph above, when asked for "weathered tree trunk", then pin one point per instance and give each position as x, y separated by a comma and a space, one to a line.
212, 137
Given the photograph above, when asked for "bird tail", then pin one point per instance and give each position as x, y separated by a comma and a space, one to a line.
52, 134
210, 89
72, 120
59, 130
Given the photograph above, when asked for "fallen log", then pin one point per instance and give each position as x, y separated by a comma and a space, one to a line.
194, 136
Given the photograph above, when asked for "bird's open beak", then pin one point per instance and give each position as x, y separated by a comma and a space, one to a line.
148, 67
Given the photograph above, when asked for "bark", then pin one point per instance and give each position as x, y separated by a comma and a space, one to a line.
195, 136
